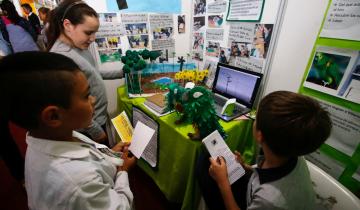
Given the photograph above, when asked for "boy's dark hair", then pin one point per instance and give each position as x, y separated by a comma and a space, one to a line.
73, 10
27, 6
30, 81
292, 124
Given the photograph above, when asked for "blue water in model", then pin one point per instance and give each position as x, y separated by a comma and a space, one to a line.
163, 81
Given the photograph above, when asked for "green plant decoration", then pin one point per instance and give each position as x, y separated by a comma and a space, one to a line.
197, 107
133, 62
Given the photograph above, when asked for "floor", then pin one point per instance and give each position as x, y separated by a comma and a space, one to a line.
146, 194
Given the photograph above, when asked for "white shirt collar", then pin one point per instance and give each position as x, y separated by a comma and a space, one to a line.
74, 150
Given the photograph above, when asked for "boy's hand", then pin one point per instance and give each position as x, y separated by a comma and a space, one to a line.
218, 171
119, 147
129, 160
240, 159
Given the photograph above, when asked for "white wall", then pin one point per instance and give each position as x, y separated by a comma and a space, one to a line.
301, 24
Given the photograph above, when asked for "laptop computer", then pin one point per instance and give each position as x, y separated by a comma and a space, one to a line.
233, 82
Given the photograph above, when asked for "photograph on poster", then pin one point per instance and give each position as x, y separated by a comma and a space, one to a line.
327, 70
199, 23
261, 41
213, 49
198, 41
335, 71
163, 33
138, 41
110, 55
108, 17
224, 56
240, 49
136, 28
215, 21
101, 43
199, 7
198, 55
181, 24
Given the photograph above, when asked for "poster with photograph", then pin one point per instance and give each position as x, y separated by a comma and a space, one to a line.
215, 21
217, 7
181, 24
199, 23
109, 49
245, 10
342, 20
138, 41
334, 71
199, 7
198, 44
109, 25
249, 44
212, 49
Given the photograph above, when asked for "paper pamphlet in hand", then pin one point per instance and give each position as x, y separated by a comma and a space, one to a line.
216, 146
141, 138
123, 127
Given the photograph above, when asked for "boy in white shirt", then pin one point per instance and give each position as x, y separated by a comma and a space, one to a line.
63, 168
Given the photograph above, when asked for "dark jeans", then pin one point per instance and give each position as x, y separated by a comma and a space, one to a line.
210, 190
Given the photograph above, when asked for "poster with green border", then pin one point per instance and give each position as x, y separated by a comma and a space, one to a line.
332, 76
245, 11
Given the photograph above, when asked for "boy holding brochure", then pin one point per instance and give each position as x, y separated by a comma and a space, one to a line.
63, 168
287, 126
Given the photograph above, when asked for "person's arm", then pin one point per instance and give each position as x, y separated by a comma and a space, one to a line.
218, 171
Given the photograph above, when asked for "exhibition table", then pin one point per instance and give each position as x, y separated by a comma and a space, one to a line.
175, 172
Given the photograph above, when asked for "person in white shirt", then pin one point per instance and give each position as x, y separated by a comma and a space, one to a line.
63, 168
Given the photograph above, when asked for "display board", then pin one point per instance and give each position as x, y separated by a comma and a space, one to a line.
332, 77
241, 40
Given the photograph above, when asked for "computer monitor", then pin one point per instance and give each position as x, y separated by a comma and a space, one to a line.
234, 82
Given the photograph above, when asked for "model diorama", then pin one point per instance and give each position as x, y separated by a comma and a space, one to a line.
145, 77
195, 106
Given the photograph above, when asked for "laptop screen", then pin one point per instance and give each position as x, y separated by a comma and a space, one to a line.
234, 82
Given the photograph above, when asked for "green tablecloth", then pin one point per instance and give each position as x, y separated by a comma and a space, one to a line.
175, 174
